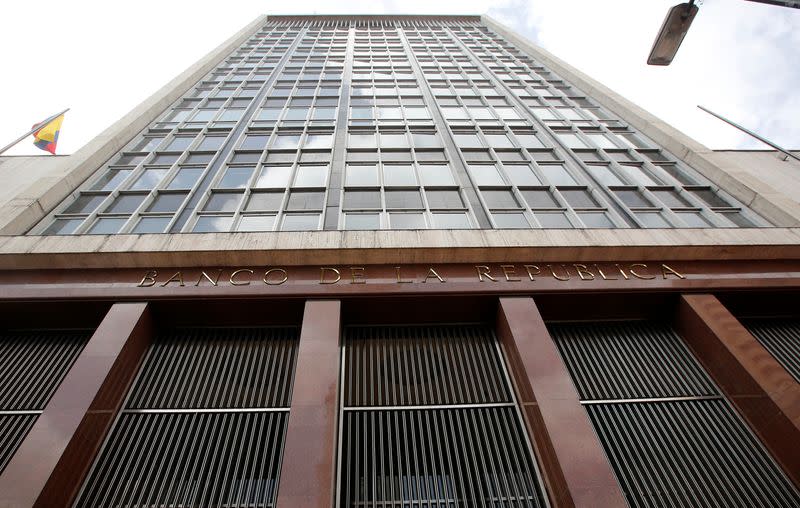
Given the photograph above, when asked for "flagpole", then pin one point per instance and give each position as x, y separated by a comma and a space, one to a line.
33, 129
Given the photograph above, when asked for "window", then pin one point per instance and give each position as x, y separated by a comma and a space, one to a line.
361, 176
403, 199
311, 176
399, 176
305, 200
436, 175
235, 178
223, 201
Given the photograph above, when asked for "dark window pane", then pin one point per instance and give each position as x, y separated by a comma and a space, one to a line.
86, 203
223, 202
444, 199
579, 198
185, 178
151, 225
300, 200
267, 201
711, 198
403, 199
62, 227
671, 198
149, 179
633, 198
179, 144
106, 226
500, 199
125, 203
211, 143
111, 179
254, 142
166, 202
540, 199
362, 199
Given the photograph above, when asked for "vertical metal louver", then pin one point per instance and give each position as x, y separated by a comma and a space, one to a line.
204, 424
781, 337
32, 365
670, 436
429, 419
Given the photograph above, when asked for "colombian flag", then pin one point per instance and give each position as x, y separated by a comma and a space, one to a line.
46, 136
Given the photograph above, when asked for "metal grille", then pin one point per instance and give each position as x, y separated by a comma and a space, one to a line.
422, 365
670, 437
190, 459
629, 360
13, 428
688, 453
204, 425
428, 419
781, 337
32, 364
218, 368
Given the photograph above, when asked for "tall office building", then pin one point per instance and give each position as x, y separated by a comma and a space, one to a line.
397, 261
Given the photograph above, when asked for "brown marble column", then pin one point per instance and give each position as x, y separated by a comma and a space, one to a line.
575, 467
51, 463
309, 467
764, 393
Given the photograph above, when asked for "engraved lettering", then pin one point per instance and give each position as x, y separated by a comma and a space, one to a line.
583, 272
235, 282
633, 271
603, 275
484, 270
532, 270
358, 275
622, 271
149, 279
553, 272
276, 282
178, 277
399, 277
431, 274
324, 270
510, 271
213, 281
666, 270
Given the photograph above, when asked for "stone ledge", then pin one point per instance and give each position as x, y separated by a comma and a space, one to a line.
380, 247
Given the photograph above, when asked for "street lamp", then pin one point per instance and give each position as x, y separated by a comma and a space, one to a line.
672, 32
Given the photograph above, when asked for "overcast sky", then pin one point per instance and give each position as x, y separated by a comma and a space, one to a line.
101, 58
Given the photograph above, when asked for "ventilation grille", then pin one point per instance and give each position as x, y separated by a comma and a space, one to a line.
683, 445
13, 429
428, 419
205, 424
629, 361
218, 368
190, 459
688, 454
782, 340
33, 363
442, 458
410, 366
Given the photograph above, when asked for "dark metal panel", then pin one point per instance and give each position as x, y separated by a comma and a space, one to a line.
13, 429
781, 337
688, 453
422, 365
629, 360
32, 364
218, 368
190, 459
437, 458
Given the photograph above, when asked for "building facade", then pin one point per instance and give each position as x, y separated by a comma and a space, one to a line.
397, 261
